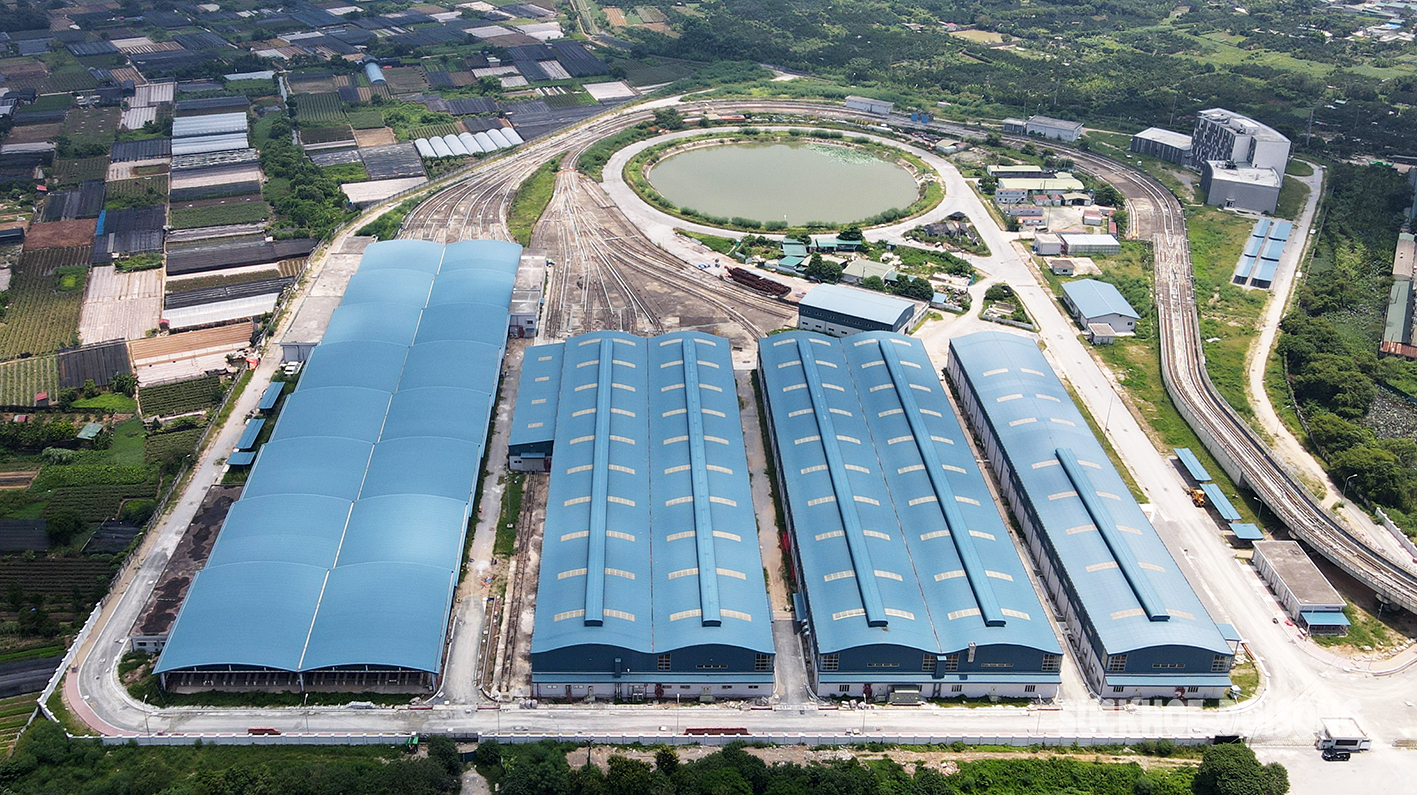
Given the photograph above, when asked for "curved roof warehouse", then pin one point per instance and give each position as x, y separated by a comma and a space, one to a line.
337, 566
913, 586
1138, 627
651, 578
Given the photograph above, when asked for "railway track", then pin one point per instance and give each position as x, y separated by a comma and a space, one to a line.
1156, 215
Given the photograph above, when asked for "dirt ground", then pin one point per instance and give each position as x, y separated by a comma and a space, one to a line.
60, 234
379, 136
34, 133
946, 762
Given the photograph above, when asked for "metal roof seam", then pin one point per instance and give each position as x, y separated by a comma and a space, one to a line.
841, 486
599, 491
698, 478
984, 595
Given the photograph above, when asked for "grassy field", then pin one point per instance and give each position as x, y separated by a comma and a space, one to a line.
42, 315
366, 119
513, 488
91, 125
242, 213
1229, 315
722, 245
531, 200
69, 171
1292, 197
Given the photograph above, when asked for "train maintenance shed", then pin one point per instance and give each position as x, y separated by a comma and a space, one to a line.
651, 579
912, 586
336, 568
1137, 626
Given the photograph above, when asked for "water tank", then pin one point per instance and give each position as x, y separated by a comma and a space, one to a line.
424, 148
488, 145
440, 149
375, 74
499, 139
455, 145
469, 142
513, 136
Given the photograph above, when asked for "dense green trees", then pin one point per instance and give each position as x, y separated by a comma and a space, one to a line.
306, 201
545, 770
1331, 337
1234, 770
47, 761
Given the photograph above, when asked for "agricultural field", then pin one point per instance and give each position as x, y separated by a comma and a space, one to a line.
14, 714
45, 297
71, 171
20, 379
97, 502
56, 577
91, 125
242, 213
180, 397
136, 192
366, 119
318, 109
430, 130
162, 447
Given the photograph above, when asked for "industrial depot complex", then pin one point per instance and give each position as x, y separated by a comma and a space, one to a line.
337, 567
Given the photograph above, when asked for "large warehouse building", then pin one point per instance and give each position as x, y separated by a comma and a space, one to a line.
651, 580
910, 583
1136, 624
839, 311
336, 568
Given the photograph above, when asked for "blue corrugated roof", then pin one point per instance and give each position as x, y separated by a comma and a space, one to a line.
1119, 569
1192, 464
1324, 618
1220, 502
867, 304
347, 542
241, 459
538, 395
271, 396
650, 536
1246, 531
847, 413
250, 434
1095, 298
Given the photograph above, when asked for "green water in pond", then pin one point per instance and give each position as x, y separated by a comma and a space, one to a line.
798, 183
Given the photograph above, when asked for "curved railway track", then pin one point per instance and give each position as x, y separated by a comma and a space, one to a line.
1155, 213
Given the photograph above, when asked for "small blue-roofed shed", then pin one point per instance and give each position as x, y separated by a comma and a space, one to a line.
1193, 465
241, 459
250, 434
1092, 301
1220, 502
1246, 531
271, 396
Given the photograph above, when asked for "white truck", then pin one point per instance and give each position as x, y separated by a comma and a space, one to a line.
1341, 734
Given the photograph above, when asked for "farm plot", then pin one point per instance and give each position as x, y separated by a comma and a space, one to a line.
22, 379
377, 136
431, 130
234, 212
318, 109
138, 192
91, 125
365, 119
72, 171
120, 305
405, 79
180, 397
46, 294
34, 133
60, 234
163, 447
314, 136
14, 714
55, 576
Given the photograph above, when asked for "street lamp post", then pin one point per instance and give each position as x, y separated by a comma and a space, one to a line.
1346, 481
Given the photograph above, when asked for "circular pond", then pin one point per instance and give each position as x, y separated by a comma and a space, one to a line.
795, 182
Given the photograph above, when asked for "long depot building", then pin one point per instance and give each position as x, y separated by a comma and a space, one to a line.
651, 580
336, 568
1134, 621
911, 586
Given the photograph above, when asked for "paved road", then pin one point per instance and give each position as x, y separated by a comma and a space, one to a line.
1302, 683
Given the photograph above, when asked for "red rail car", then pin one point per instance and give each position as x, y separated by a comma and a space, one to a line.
753, 281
